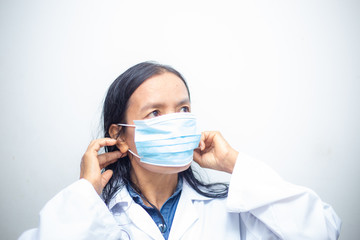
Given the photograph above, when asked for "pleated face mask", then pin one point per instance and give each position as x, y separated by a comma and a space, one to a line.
168, 140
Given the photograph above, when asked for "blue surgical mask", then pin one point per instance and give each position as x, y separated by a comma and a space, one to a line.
168, 140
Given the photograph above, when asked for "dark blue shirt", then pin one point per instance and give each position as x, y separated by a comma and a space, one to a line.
167, 210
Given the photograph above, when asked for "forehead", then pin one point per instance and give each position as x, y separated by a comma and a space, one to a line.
165, 87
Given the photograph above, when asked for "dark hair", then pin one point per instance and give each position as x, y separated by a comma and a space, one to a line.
115, 106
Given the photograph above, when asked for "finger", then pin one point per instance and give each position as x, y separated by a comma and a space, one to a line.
209, 138
108, 158
197, 155
105, 177
202, 141
95, 145
123, 147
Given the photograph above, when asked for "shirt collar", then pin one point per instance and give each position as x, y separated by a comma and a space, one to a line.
137, 198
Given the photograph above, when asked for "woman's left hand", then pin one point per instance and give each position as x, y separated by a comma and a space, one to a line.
214, 152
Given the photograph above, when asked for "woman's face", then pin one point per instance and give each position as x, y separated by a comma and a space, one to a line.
159, 95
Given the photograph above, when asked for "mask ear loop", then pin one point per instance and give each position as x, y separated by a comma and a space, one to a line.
129, 125
125, 125
133, 153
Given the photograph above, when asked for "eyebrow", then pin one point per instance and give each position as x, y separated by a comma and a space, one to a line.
161, 105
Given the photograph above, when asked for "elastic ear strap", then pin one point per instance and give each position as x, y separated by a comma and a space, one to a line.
133, 153
125, 125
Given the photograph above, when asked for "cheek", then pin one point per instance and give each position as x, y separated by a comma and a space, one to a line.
129, 138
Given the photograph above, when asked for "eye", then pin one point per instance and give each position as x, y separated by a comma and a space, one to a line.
153, 114
185, 109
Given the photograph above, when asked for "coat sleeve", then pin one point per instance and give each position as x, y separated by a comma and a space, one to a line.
264, 200
77, 212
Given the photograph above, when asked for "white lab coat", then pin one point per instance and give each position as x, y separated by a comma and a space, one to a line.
260, 205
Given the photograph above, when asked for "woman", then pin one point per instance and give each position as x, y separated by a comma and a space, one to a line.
148, 186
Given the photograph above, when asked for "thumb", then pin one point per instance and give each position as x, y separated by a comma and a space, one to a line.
105, 177
197, 155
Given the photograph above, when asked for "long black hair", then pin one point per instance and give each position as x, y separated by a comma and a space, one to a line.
115, 106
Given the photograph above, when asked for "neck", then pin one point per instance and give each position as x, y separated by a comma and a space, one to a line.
155, 187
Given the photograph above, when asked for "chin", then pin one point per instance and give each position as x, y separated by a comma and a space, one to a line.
164, 170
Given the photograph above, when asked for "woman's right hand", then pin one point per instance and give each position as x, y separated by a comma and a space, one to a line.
92, 163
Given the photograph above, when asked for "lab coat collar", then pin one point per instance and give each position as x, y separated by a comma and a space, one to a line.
123, 203
192, 194
122, 197
186, 214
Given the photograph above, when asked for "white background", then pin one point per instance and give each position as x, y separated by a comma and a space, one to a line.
279, 79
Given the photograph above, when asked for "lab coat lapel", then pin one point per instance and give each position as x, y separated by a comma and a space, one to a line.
138, 216
143, 221
186, 214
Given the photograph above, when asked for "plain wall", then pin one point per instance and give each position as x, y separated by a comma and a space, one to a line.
279, 79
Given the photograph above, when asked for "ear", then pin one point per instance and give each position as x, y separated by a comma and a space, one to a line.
114, 131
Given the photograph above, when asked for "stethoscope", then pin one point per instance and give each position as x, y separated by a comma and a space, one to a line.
124, 235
